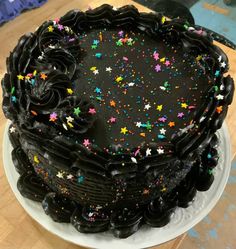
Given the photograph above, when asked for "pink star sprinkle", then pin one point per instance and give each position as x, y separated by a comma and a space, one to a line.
180, 115
92, 111
121, 33
112, 120
167, 63
86, 142
60, 27
162, 119
155, 56
57, 20
53, 117
158, 68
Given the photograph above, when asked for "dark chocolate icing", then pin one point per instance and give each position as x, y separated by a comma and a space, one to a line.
106, 181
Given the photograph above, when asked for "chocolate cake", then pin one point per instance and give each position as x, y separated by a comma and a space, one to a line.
114, 114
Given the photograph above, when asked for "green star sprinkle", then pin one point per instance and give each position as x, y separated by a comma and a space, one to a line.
77, 111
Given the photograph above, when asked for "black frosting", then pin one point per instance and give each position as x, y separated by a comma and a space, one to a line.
108, 185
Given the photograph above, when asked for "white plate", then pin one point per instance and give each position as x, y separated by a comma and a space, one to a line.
181, 221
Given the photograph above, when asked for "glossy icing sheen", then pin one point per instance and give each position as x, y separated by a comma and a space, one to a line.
69, 153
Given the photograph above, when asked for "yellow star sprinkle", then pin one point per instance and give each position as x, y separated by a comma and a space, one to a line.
69, 91
93, 68
184, 105
123, 130
163, 20
20, 77
159, 107
163, 59
50, 28
199, 58
36, 160
119, 79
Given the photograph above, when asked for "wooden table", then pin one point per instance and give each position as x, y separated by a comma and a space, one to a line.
17, 229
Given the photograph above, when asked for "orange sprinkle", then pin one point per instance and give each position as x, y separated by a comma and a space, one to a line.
142, 134
34, 113
171, 124
112, 103
219, 109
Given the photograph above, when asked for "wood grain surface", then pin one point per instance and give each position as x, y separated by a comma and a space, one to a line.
17, 229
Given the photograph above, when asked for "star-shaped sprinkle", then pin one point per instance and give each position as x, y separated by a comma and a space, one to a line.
219, 97
108, 69
43, 76
69, 119
157, 68
163, 131
92, 111
163, 19
171, 124
98, 55
53, 117
20, 77
167, 63
112, 120
138, 124
155, 56
95, 42
80, 179
12, 129
112, 103
202, 119
134, 160
86, 142
69, 91
217, 73
159, 107
50, 28
184, 105
69, 176
219, 109
148, 152
163, 59
119, 79
160, 151
94, 46
131, 84
119, 43
223, 64
95, 72
130, 40
97, 90
13, 99
93, 68
36, 160
147, 107
59, 174
123, 130
77, 111
180, 115
162, 119
60, 27
57, 20
121, 33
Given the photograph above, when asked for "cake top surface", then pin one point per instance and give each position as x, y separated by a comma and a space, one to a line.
117, 80
144, 89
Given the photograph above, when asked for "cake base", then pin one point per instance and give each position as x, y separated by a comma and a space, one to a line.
181, 221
